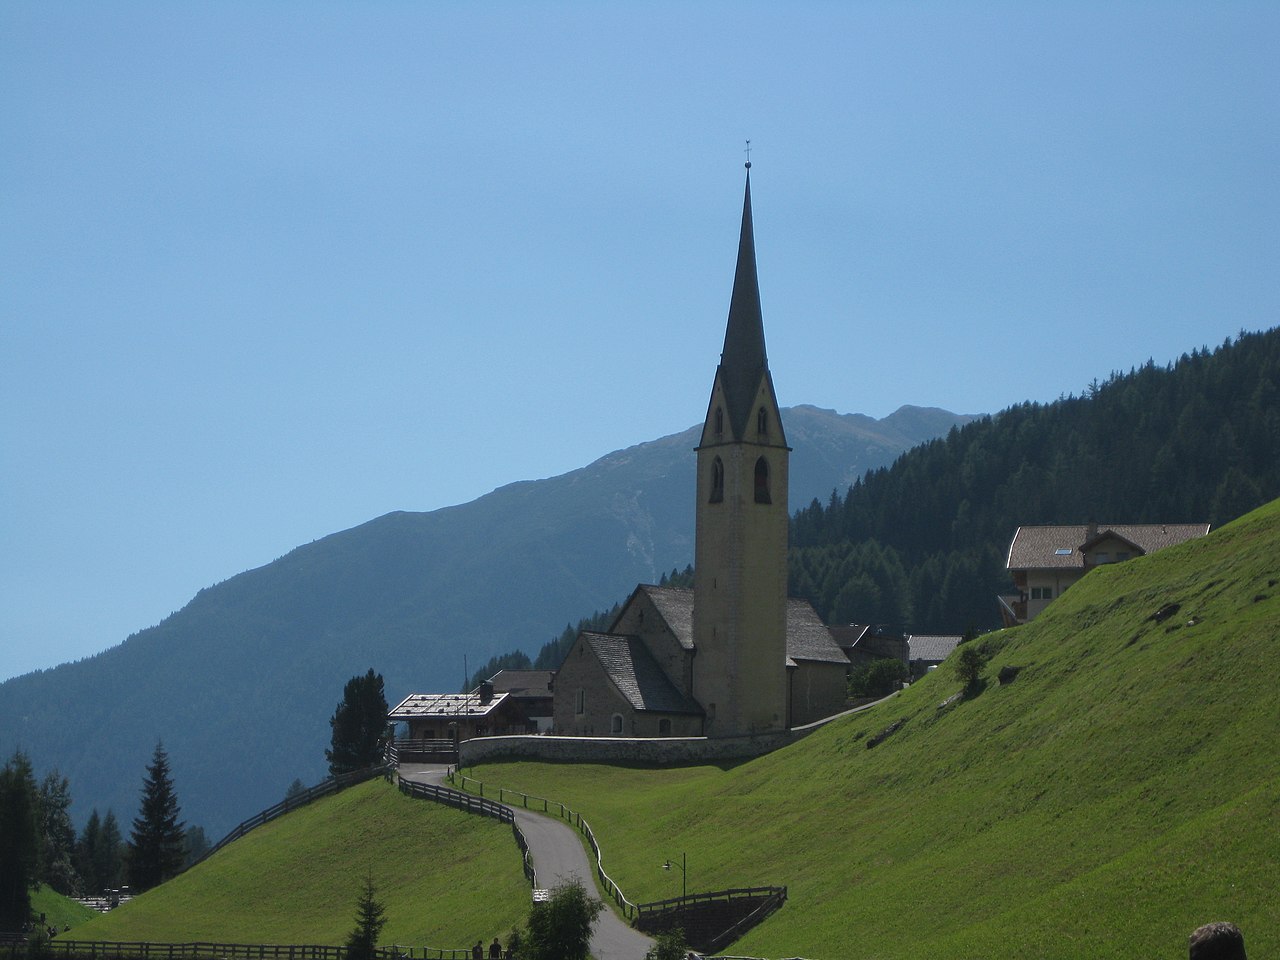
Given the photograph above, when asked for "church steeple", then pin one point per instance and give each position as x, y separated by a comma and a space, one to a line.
740, 544
743, 361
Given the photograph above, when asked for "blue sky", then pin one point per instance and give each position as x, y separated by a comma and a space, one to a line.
269, 270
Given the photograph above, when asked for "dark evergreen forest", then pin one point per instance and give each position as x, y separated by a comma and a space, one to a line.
921, 545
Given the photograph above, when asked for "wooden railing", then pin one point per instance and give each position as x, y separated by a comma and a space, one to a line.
558, 809
477, 805
60, 949
767, 899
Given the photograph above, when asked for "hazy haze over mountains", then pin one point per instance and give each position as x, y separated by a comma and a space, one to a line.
240, 683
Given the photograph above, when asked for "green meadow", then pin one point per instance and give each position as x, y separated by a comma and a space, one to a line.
445, 878
1121, 790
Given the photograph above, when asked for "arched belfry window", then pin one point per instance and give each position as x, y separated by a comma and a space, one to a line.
762, 481
717, 481
762, 421
719, 420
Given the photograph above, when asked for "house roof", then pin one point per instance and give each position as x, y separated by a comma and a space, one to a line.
467, 705
1063, 546
931, 648
523, 684
636, 674
808, 637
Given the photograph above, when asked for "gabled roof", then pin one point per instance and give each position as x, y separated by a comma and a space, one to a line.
933, 649
808, 637
1063, 546
635, 673
676, 606
466, 705
848, 635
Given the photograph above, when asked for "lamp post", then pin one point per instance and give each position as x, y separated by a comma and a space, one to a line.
683, 867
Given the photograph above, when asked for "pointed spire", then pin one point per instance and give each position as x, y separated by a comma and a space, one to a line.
743, 361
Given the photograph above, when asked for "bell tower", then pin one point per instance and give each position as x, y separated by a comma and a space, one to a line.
740, 554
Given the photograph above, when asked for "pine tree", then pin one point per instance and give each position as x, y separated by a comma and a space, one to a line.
156, 845
110, 853
359, 725
20, 841
363, 940
59, 836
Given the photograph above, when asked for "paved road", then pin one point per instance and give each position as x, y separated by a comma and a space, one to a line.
559, 855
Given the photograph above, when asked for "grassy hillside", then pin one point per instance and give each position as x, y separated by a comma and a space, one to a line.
59, 911
1124, 789
445, 877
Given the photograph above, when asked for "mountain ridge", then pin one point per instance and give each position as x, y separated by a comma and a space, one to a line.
240, 682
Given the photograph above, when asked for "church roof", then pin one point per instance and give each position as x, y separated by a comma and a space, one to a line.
676, 606
742, 361
808, 637
636, 674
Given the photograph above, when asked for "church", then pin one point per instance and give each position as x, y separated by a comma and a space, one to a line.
734, 656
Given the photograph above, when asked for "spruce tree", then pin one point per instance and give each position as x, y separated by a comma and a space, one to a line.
359, 725
363, 940
20, 841
156, 845
58, 834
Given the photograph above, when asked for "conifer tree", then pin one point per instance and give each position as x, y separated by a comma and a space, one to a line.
156, 845
363, 940
58, 835
20, 841
359, 725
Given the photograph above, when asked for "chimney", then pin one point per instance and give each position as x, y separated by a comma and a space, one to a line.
486, 691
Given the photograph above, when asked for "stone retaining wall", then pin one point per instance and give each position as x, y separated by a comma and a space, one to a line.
654, 750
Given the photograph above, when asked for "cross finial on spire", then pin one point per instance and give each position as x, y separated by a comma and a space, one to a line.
748, 153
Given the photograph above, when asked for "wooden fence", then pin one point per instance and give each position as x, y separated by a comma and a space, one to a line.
59, 949
477, 805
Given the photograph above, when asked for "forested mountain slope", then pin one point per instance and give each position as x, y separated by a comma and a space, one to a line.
241, 682
922, 544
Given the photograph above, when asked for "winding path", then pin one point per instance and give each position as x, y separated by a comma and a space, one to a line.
558, 855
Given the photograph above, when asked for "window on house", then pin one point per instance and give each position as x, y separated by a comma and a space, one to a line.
1102, 557
1063, 552
1042, 593
717, 481
762, 481
615, 725
580, 702
664, 727
1122, 556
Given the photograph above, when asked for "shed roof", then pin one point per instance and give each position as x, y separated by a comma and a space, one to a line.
523, 684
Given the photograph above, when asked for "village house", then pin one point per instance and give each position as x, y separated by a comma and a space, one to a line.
1045, 560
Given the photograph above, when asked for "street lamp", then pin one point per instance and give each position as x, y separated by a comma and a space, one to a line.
683, 867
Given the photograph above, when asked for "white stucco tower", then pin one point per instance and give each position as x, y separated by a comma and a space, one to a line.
740, 556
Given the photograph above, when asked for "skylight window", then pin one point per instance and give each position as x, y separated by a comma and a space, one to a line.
1063, 552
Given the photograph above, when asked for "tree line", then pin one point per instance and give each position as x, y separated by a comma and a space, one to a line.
921, 544
39, 845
